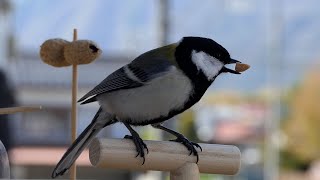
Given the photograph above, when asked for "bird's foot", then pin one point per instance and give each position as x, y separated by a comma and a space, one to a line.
189, 145
140, 145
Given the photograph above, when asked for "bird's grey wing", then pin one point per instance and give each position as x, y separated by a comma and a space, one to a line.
133, 75
147, 69
116, 80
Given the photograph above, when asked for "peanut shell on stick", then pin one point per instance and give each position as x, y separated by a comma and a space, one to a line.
51, 52
81, 52
241, 67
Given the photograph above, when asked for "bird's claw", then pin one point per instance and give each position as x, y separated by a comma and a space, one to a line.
189, 145
140, 145
197, 145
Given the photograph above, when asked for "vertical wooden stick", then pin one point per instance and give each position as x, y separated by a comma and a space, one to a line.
73, 169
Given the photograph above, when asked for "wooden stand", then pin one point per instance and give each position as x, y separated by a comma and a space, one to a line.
185, 172
166, 156
61, 53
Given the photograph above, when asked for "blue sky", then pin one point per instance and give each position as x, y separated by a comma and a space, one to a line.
113, 25
131, 27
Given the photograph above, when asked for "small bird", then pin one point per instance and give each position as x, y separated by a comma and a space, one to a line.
151, 89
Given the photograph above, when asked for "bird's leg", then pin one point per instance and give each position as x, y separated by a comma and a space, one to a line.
181, 139
138, 142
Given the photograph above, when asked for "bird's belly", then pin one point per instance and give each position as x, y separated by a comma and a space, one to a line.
153, 100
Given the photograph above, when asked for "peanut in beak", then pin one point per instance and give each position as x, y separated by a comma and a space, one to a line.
241, 67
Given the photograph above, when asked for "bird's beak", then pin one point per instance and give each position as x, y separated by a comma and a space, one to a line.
231, 61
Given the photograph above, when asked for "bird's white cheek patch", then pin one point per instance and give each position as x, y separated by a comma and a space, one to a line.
209, 65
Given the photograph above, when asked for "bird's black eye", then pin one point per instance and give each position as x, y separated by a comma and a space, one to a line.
93, 48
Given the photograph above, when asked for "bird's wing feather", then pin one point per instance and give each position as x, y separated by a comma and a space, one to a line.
141, 70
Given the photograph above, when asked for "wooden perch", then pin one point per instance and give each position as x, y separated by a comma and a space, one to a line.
165, 156
12, 110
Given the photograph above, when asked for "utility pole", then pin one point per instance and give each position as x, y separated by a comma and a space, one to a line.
164, 22
164, 26
163, 39
5, 8
274, 66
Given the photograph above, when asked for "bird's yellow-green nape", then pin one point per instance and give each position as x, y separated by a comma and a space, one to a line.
166, 52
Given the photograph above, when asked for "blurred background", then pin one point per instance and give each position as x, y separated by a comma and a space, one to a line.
270, 112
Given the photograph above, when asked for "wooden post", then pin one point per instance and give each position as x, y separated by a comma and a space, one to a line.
165, 156
73, 169
188, 171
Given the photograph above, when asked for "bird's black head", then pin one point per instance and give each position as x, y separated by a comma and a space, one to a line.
207, 46
206, 55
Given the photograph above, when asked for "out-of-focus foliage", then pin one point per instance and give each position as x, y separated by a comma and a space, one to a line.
186, 125
302, 125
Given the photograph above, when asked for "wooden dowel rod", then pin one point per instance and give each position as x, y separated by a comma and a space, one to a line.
163, 156
188, 171
12, 110
73, 172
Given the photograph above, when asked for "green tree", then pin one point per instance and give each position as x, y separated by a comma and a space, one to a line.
302, 125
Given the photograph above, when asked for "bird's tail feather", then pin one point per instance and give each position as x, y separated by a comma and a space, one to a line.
78, 145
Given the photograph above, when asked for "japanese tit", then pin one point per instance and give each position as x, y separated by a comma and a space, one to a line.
154, 87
